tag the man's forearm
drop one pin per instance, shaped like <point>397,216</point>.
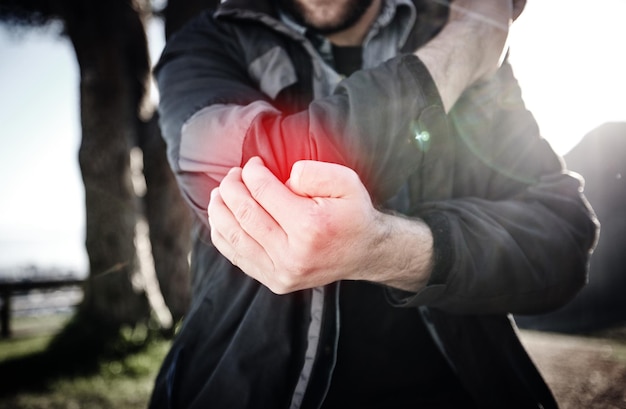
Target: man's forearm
<point>403,257</point>
<point>469,48</point>
<point>442,57</point>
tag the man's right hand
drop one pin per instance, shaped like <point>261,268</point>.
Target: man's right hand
<point>319,228</point>
<point>470,47</point>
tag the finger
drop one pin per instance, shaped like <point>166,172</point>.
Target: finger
<point>278,200</point>
<point>256,268</point>
<point>251,215</point>
<point>232,240</point>
<point>322,179</point>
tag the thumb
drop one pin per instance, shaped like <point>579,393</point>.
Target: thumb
<point>323,179</point>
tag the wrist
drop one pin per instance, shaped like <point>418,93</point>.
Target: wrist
<point>403,253</point>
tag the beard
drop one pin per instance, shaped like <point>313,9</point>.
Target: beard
<point>326,16</point>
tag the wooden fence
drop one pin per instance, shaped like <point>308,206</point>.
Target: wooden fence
<point>10,288</point>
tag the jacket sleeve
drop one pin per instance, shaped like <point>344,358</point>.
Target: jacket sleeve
<point>214,116</point>
<point>522,244</point>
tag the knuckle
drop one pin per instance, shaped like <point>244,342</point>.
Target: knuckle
<point>317,237</point>
<point>234,259</point>
<point>285,284</point>
<point>312,223</point>
<point>245,211</point>
<point>234,238</point>
<point>259,189</point>
<point>279,289</point>
<point>284,281</point>
<point>352,176</point>
<point>297,267</point>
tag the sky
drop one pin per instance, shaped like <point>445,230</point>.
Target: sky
<point>567,54</point>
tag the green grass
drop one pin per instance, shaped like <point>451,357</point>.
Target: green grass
<point>16,348</point>
<point>119,383</point>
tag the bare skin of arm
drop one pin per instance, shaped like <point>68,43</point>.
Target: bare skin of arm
<point>471,46</point>
<point>321,226</point>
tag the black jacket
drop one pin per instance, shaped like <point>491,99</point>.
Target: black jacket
<point>512,231</point>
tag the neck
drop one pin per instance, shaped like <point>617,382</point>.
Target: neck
<point>355,35</point>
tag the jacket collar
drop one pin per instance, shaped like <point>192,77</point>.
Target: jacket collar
<point>266,7</point>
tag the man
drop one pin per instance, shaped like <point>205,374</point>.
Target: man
<point>373,201</point>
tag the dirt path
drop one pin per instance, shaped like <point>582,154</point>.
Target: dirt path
<point>582,372</point>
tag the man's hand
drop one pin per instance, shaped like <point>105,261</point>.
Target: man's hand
<point>319,228</point>
<point>471,46</point>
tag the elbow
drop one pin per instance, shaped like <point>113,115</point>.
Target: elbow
<point>196,190</point>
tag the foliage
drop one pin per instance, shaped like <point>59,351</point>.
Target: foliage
<point>29,12</point>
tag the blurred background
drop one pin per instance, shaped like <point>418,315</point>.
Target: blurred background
<point>567,55</point>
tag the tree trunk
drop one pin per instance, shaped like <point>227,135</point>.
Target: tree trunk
<point>169,220</point>
<point>112,54</point>
<point>114,62</point>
